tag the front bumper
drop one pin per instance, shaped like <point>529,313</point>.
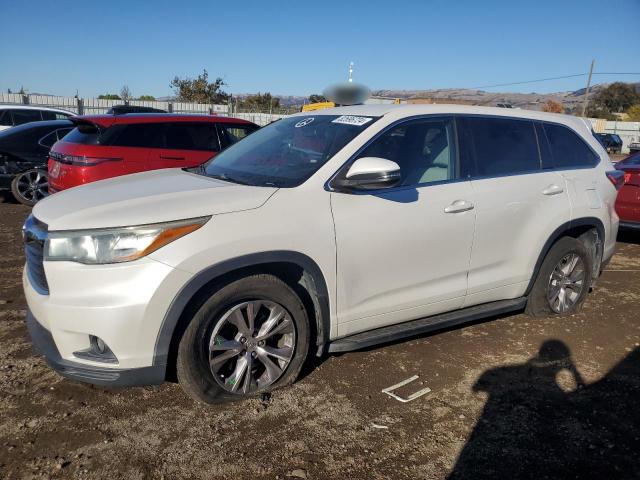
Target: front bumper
<point>122,304</point>
<point>45,345</point>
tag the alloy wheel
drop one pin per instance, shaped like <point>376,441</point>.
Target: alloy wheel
<point>251,346</point>
<point>32,185</point>
<point>566,283</point>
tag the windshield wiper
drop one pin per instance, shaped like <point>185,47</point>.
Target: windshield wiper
<point>224,177</point>
<point>198,170</point>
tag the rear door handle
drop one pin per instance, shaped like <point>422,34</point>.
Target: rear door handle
<point>552,190</point>
<point>167,157</point>
<point>459,206</point>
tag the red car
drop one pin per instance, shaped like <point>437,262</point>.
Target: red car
<point>104,146</point>
<point>628,202</point>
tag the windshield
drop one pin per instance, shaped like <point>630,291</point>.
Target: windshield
<point>288,151</point>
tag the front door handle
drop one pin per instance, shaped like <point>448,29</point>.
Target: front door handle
<point>167,157</point>
<point>552,189</point>
<point>459,206</point>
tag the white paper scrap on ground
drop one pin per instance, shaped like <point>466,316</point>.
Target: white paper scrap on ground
<point>413,396</point>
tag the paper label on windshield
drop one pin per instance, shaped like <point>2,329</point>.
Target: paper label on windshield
<point>352,120</point>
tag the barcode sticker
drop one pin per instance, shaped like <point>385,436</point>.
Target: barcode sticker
<point>352,120</point>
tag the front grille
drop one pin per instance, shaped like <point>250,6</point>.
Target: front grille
<point>35,235</point>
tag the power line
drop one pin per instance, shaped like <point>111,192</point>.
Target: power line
<point>551,78</point>
<point>528,81</point>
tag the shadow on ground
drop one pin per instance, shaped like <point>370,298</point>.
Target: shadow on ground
<point>542,421</point>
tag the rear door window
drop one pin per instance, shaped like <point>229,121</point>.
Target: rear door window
<point>568,150</point>
<point>148,135</point>
<point>545,150</point>
<point>192,136</point>
<point>47,115</point>
<point>25,116</point>
<point>500,146</point>
<point>230,134</point>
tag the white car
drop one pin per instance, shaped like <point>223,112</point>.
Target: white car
<point>13,115</point>
<point>325,231</point>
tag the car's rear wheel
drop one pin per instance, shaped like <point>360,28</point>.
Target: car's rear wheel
<point>30,187</point>
<point>249,337</point>
<point>563,281</point>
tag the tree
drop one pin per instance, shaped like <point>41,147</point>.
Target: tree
<point>315,98</point>
<point>553,106</point>
<point>595,112</point>
<point>109,96</point>
<point>617,97</point>
<point>263,102</point>
<point>634,113</point>
<point>147,97</point>
<point>199,90</point>
<point>125,93</point>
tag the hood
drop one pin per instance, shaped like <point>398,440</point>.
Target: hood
<point>149,197</point>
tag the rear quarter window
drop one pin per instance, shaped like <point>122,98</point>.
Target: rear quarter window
<point>48,140</point>
<point>49,115</point>
<point>567,148</point>
<point>63,132</point>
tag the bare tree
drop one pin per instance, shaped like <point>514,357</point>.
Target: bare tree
<point>125,93</point>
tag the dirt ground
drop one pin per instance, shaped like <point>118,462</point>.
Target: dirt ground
<point>510,397</point>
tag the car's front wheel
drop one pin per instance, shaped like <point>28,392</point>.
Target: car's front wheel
<point>563,280</point>
<point>249,337</point>
<point>30,187</point>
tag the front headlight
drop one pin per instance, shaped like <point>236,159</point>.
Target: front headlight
<point>115,245</point>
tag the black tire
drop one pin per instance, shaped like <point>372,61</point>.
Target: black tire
<point>538,304</point>
<point>21,186</point>
<point>192,367</point>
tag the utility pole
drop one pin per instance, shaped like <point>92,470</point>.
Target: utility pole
<point>586,93</point>
<point>350,72</point>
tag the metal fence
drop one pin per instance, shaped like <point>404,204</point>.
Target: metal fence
<point>94,106</point>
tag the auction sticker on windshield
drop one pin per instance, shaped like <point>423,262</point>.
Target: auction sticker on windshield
<point>351,120</point>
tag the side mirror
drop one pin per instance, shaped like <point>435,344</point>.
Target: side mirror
<point>370,173</point>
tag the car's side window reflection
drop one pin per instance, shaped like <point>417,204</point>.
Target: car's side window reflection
<point>424,150</point>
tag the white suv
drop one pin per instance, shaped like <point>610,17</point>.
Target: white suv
<point>324,231</point>
<point>13,115</point>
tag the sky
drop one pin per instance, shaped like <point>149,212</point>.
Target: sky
<point>300,47</point>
